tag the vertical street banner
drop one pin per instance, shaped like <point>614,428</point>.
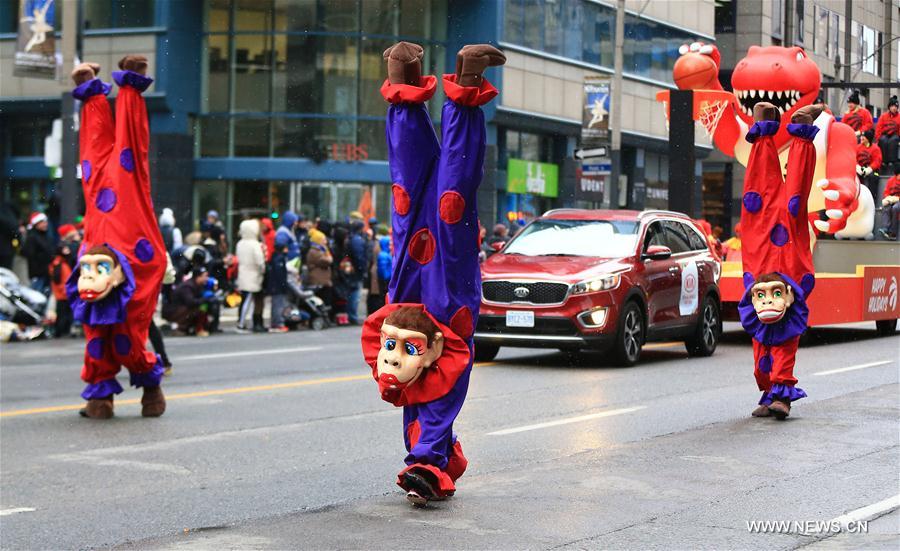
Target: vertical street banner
<point>35,45</point>
<point>596,166</point>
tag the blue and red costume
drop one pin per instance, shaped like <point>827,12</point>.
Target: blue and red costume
<point>776,239</point>
<point>119,214</point>
<point>435,239</point>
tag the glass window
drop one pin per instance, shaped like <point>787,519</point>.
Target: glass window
<point>381,17</point>
<point>655,236</point>
<point>217,14</point>
<point>532,35</point>
<point>338,15</point>
<point>316,74</point>
<point>216,96</point>
<point>251,136</point>
<point>820,32</point>
<point>252,63</point>
<point>777,16</point>
<point>513,19</point>
<point>294,15</point>
<point>371,136</point>
<point>799,22</point>
<point>676,239</point>
<point>214,132</point>
<point>252,15</point>
<point>598,238</point>
<point>108,14</point>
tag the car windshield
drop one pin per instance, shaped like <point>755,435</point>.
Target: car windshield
<point>600,238</point>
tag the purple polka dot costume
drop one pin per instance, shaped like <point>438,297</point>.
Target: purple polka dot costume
<point>119,215</point>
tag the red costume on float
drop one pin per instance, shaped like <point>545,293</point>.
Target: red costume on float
<point>776,254</point>
<point>119,217</point>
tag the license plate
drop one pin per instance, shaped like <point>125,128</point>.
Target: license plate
<point>519,318</point>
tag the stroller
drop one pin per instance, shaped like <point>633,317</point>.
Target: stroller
<point>306,308</point>
<point>21,306</point>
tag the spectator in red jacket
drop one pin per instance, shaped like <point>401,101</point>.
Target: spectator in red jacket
<point>868,161</point>
<point>890,204</point>
<point>857,117</point>
<point>887,133</point>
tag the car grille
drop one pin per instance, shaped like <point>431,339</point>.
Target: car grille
<point>540,292</point>
<point>542,326</point>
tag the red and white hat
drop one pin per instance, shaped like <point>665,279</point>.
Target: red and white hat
<point>36,218</point>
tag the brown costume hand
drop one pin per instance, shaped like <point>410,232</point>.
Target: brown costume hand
<point>473,59</point>
<point>404,60</point>
<point>85,72</point>
<point>134,63</point>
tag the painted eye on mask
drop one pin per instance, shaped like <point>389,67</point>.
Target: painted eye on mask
<point>411,350</point>
<point>85,267</point>
<point>104,268</point>
<point>760,295</point>
<point>390,344</point>
<point>777,294</point>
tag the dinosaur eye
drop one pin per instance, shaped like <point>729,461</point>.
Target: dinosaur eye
<point>695,46</point>
<point>706,49</point>
<point>800,56</point>
<point>683,49</point>
<point>390,344</point>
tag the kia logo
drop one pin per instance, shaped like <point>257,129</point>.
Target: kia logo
<point>521,292</point>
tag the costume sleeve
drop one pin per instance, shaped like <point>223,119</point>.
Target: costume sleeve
<point>435,421</point>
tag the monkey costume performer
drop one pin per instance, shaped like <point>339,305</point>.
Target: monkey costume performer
<point>115,284</point>
<point>777,258</point>
<point>420,345</point>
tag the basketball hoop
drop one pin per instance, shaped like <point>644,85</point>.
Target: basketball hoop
<point>709,106</point>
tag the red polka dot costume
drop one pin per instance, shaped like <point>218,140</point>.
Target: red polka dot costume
<point>776,239</point>
<point>435,242</point>
<point>119,214</point>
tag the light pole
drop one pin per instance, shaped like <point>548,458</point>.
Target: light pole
<point>616,119</point>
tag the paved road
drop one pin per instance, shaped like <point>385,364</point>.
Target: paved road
<point>281,441</point>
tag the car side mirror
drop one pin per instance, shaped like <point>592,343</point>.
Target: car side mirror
<point>657,252</point>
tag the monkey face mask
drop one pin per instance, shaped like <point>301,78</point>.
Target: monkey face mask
<point>99,275</point>
<point>404,354</point>
<point>771,299</point>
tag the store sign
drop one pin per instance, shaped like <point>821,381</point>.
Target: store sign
<point>348,152</point>
<point>35,46</point>
<point>532,177</point>
<point>880,289</point>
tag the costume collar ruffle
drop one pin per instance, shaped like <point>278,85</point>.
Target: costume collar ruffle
<point>793,324</point>
<point>111,309</point>
<point>435,381</point>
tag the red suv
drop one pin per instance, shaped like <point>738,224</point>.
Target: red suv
<point>603,279</point>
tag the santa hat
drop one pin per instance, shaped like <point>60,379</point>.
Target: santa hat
<point>65,230</point>
<point>36,218</point>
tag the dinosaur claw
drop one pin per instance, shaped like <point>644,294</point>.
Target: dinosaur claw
<point>822,184</point>
<point>821,225</point>
<point>831,195</point>
<point>836,214</point>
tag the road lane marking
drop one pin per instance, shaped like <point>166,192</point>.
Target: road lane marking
<point>566,421</point>
<point>246,353</point>
<point>657,345</point>
<point>868,512</point>
<point>852,368</point>
<point>16,510</point>
<point>94,459</point>
<point>207,393</point>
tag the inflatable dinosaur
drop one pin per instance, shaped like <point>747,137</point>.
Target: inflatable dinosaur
<point>790,80</point>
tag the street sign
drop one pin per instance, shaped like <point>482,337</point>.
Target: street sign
<point>594,152</point>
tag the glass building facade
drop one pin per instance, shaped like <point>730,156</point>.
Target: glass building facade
<point>289,78</point>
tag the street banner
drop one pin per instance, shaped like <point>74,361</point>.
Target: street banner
<point>595,116</point>
<point>532,177</point>
<point>35,45</point>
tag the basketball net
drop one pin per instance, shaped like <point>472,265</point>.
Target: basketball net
<point>709,111</point>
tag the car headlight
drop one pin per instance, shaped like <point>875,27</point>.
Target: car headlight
<point>604,283</point>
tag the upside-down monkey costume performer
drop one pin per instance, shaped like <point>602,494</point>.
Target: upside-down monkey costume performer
<point>114,287</point>
<point>420,346</point>
<point>778,267</point>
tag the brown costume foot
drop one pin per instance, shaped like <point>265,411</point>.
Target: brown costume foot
<point>85,72</point>
<point>764,111</point>
<point>761,411</point>
<point>134,63</point>
<point>153,402</point>
<point>98,408</point>
<point>780,409</point>
<point>404,63</point>
<point>473,59</point>
<point>807,114</point>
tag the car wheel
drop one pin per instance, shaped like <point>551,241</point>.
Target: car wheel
<point>630,335</point>
<point>485,352</point>
<point>709,328</point>
<point>886,327</point>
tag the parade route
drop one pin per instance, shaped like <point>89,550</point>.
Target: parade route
<point>281,441</point>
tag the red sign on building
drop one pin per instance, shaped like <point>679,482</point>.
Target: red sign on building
<point>880,289</point>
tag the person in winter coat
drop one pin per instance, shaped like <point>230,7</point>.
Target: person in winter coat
<point>189,304</point>
<point>170,233</point>
<point>887,132</point>
<point>251,270</point>
<point>288,229</point>
<point>59,272</point>
<point>868,161</point>
<point>318,265</point>
<point>277,283</point>
<point>359,257</point>
<point>9,234</point>
<point>382,267</point>
<point>39,250</point>
<point>268,232</point>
